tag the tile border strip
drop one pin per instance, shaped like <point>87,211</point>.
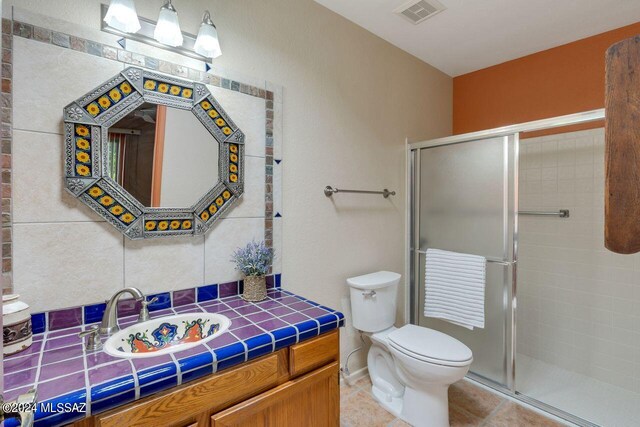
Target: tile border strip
<point>268,162</point>
<point>6,133</point>
<point>90,47</point>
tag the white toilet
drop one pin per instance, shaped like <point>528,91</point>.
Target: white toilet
<point>411,367</point>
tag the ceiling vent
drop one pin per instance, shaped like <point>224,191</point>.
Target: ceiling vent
<point>417,11</point>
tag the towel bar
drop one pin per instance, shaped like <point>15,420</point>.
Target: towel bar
<point>562,213</point>
<point>329,191</point>
<point>491,260</point>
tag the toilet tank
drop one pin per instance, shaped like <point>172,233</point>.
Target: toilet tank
<point>373,300</point>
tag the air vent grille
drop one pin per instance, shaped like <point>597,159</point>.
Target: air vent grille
<point>417,11</point>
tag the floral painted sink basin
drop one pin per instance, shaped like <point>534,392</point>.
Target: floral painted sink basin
<point>166,335</point>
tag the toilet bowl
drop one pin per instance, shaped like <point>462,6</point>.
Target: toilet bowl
<point>427,362</point>
<point>411,367</point>
<point>386,386</point>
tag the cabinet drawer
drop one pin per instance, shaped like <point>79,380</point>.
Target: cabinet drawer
<point>183,405</point>
<point>312,354</point>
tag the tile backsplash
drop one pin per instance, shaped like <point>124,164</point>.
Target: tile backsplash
<point>64,255</point>
<point>82,315</point>
<point>578,303</point>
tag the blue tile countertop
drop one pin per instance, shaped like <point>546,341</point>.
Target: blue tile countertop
<point>63,372</point>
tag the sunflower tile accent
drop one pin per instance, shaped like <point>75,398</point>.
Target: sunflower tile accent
<point>234,163</point>
<point>177,224</point>
<point>110,205</point>
<point>156,85</point>
<point>215,206</point>
<point>82,150</point>
<point>216,117</point>
<point>108,99</point>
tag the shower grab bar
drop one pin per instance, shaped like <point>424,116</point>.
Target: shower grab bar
<point>562,213</point>
<point>329,191</point>
<point>491,260</point>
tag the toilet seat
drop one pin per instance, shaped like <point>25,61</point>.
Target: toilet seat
<point>430,346</point>
<point>382,337</point>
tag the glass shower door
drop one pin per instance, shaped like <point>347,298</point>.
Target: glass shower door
<point>464,202</point>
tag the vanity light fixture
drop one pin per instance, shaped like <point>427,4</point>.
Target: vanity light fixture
<point>165,33</point>
<point>207,43</point>
<point>168,28</point>
<point>122,16</point>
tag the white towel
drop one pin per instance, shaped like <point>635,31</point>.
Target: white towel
<point>454,287</point>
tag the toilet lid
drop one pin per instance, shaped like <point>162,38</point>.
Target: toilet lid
<point>428,344</point>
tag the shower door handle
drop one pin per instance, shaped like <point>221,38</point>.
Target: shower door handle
<point>506,263</point>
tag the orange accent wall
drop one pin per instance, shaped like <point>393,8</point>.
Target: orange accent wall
<point>563,80</point>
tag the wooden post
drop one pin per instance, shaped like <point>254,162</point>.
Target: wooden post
<point>622,142</point>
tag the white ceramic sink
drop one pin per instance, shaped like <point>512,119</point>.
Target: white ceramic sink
<point>166,335</point>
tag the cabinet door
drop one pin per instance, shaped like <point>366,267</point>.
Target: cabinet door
<point>196,401</point>
<point>312,400</point>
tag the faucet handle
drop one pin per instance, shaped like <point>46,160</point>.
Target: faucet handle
<point>144,311</point>
<point>93,342</point>
<point>23,408</point>
<point>151,301</point>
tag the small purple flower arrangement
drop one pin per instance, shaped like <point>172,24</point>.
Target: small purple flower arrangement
<point>254,261</point>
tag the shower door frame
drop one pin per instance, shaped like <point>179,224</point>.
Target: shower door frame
<point>412,255</point>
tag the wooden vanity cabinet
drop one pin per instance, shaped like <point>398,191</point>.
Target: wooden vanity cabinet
<point>310,400</point>
<point>295,386</point>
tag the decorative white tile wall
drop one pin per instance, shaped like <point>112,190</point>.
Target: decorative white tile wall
<point>64,254</point>
<point>38,156</point>
<point>219,243</point>
<point>66,264</point>
<point>248,113</point>
<point>251,204</point>
<point>47,77</point>
<point>163,264</point>
<point>578,303</point>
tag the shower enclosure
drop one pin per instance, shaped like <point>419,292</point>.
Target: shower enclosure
<point>562,326</point>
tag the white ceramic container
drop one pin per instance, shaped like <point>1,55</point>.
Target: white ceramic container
<point>16,324</point>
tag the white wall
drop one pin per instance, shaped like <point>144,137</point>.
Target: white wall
<point>350,99</point>
<point>578,303</point>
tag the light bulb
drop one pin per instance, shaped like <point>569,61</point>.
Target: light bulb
<point>122,16</point>
<point>207,43</point>
<point>168,28</point>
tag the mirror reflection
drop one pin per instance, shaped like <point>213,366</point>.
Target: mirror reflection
<point>163,156</point>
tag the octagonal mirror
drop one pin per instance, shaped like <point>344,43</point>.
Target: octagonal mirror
<point>153,155</point>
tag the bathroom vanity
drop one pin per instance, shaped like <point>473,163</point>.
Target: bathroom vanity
<point>277,363</point>
<point>295,386</point>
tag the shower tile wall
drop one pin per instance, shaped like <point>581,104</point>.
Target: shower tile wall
<point>578,303</point>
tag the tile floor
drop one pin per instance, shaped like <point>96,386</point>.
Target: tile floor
<point>469,405</point>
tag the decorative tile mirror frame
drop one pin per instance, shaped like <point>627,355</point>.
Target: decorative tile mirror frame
<point>86,123</point>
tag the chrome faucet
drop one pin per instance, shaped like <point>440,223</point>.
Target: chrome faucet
<point>109,323</point>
